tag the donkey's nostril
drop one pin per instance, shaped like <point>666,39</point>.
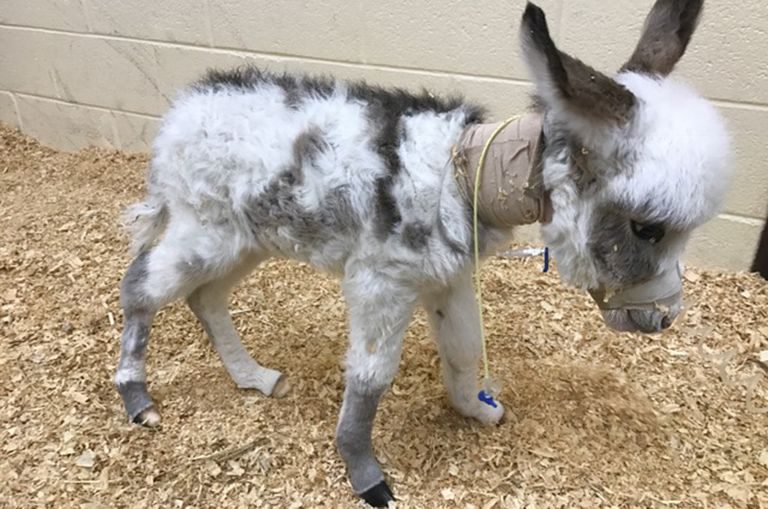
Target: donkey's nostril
<point>666,322</point>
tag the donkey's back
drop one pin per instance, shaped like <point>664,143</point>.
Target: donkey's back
<point>302,167</point>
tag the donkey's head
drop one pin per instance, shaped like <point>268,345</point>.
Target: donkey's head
<point>633,164</point>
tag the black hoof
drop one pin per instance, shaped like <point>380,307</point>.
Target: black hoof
<point>378,496</point>
<point>136,399</point>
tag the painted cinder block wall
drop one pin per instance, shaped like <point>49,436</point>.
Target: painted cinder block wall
<point>100,72</point>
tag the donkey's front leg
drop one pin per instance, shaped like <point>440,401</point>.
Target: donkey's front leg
<point>455,323</point>
<point>379,312</point>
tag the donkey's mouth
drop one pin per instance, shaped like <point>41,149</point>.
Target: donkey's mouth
<point>634,320</point>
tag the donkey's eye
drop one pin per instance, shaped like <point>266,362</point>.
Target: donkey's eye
<point>653,233</point>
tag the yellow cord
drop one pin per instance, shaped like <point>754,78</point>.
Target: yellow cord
<point>478,291</point>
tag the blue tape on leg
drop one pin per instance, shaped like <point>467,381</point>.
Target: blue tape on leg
<point>546,259</point>
<point>487,399</point>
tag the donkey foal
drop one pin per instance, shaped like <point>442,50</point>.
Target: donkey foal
<point>364,182</point>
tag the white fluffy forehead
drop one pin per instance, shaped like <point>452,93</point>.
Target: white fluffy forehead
<point>679,154</point>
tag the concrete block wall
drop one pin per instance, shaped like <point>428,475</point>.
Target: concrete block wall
<point>101,72</point>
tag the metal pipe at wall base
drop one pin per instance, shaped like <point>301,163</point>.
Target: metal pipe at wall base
<point>760,263</point>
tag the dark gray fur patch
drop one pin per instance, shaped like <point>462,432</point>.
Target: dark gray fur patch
<point>192,268</point>
<point>278,207</point>
<point>135,337</point>
<point>307,146</point>
<point>133,348</point>
<point>440,314</point>
<point>402,132</point>
<point>293,98</point>
<point>622,259</point>
<point>131,293</point>
<point>387,212</point>
<point>353,438</point>
<point>136,334</point>
<point>416,235</point>
<point>557,145</point>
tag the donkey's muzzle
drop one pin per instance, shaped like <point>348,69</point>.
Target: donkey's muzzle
<point>651,306</point>
<point>634,320</point>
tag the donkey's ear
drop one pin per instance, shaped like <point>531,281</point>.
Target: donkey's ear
<point>666,34</point>
<point>566,84</point>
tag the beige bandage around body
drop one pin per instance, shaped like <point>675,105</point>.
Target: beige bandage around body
<point>511,191</point>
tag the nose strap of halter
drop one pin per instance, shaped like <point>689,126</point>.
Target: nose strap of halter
<point>663,291</point>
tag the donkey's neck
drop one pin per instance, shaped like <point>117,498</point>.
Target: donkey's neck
<point>511,191</point>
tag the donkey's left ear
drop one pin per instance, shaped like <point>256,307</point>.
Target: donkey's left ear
<point>666,34</point>
<point>574,90</point>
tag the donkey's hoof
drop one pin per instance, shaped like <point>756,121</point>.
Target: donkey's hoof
<point>490,415</point>
<point>149,418</point>
<point>282,387</point>
<point>378,496</point>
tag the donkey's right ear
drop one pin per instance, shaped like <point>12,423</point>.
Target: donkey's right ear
<point>576,92</point>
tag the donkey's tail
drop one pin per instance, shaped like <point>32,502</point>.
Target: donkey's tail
<point>145,222</point>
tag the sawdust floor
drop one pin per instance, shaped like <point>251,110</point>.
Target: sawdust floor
<point>597,419</point>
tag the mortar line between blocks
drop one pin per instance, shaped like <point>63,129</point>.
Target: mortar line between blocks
<point>17,109</point>
<point>285,57</point>
<point>84,105</point>
<point>740,105</point>
<point>115,131</point>
<point>746,220</point>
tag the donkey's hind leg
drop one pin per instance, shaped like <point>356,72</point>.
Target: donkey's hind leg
<point>188,256</point>
<point>138,312</point>
<point>155,278</point>
<point>209,303</point>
